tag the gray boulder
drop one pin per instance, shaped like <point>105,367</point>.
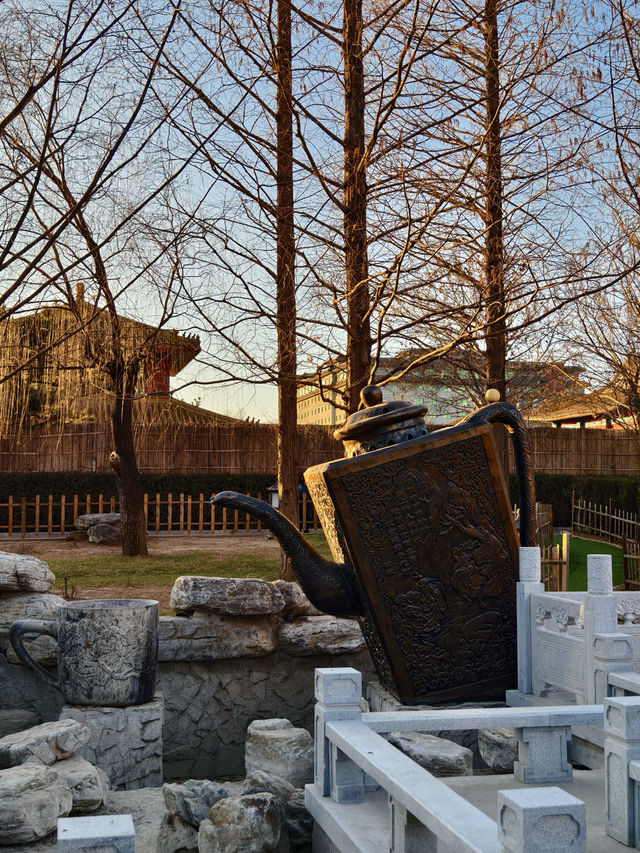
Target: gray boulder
<point>43,744</point>
<point>17,720</point>
<point>84,522</point>
<point>32,798</point>
<point>176,836</point>
<point>317,635</point>
<point>88,784</point>
<point>299,821</point>
<point>192,800</point>
<point>296,602</point>
<point>253,823</point>
<point>30,606</point>
<point>499,748</point>
<point>209,636</point>
<point>104,534</point>
<point>277,748</point>
<point>230,596</point>
<point>36,605</point>
<point>438,755</point>
<point>20,573</point>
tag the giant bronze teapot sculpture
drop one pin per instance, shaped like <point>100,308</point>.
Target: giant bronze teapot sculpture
<point>425,544</point>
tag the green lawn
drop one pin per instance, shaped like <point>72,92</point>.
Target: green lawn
<point>163,569</point>
<point>578,551</point>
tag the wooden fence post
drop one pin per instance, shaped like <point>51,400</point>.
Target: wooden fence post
<point>36,513</point>
<point>23,518</point>
<point>62,512</point>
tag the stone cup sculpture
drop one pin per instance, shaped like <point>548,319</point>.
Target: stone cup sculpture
<point>107,650</point>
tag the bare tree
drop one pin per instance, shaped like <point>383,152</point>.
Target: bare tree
<point>80,124</point>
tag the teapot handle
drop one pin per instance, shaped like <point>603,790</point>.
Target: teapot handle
<point>506,413</point>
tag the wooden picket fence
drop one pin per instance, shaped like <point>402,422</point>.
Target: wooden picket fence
<point>631,562</point>
<point>605,522</point>
<point>166,514</point>
<point>555,565</point>
<point>616,526</point>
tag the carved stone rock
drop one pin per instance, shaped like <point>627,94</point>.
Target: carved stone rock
<point>104,534</point>
<point>498,748</point>
<point>439,756</point>
<point>253,823</point>
<point>84,522</point>
<point>125,742</point>
<point>88,784</point>
<point>43,744</point>
<point>209,636</point>
<point>20,573</point>
<point>230,596</point>
<point>32,798</point>
<point>192,800</point>
<point>278,748</point>
<point>315,635</point>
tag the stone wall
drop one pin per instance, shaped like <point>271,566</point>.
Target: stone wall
<point>218,671</point>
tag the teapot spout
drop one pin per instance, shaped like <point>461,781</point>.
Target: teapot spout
<point>324,583</point>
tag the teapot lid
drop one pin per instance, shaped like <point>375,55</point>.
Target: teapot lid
<point>377,415</point>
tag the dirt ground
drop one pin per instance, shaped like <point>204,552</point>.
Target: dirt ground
<point>220,545</point>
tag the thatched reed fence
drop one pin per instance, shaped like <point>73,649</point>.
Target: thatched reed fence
<point>583,451</point>
<point>243,448</point>
<point>210,448</point>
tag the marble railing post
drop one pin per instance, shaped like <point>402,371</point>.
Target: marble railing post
<point>338,691</point>
<point>532,820</point>
<point>606,650</point>
<point>528,584</point>
<point>407,833</point>
<point>621,747</point>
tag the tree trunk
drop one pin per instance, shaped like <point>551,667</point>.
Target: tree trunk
<point>355,207</point>
<point>286,285</point>
<point>130,490</point>
<point>495,325</point>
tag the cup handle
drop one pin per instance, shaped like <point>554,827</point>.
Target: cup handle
<point>32,626</point>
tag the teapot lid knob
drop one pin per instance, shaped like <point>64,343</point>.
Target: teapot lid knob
<point>371,395</point>
<point>492,395</point>
<point>378,417</point>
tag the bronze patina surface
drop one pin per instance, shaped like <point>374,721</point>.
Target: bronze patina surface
<point>425,546</point>
<point>427,531</point>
